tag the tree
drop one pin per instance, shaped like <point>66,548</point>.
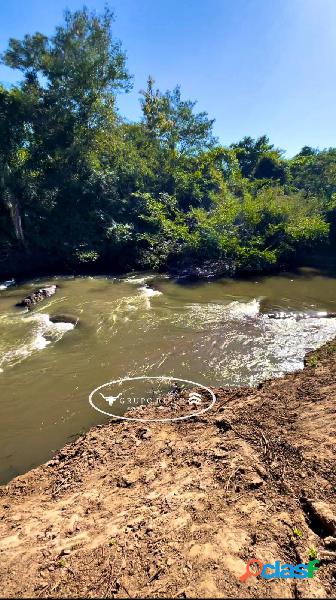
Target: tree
<point>314,171</point>
<point>78,65</point>
<point>259,159</point>
<point>15,137</point>
<point>174,122</point>
<point>270,167</point>
<point>72,79</point>
<point>80,186</point>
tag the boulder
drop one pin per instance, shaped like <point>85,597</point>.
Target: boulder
<point>64,319</point>
<point>38,296</point>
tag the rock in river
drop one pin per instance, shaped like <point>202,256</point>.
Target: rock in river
<point>64,319</point>
<point>38,296</point>
<point>301,315</point>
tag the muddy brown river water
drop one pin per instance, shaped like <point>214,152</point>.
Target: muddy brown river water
<point>214,333</point>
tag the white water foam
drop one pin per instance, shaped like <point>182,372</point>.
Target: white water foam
<point>5,284</point>
<point>149,292</point>
<point>41,333</point>
<point>237,309</point>
<point>130,308</point>
<point>264,348</point>
<point>136,279</point>
<point>202,316</point>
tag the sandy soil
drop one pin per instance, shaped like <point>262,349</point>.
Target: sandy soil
<point>176,510</point>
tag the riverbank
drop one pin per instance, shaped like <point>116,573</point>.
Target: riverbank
<point>176,510</point>
<point>25,267</point>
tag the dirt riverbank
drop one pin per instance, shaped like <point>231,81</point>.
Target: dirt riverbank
<point>176,510</point>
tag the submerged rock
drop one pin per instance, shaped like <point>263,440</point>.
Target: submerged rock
<point>64,319</point>
<point>38,296</point>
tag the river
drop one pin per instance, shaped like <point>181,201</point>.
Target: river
<point>215,333</point>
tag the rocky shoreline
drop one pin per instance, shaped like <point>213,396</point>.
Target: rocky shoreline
<point>177,509</point>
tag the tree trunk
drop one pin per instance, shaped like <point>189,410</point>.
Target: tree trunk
<point>12,205</point>
<point>14,210</point>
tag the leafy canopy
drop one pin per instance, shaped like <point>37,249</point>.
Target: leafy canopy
<point>81,186</point>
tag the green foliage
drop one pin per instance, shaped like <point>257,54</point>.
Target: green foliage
<point>258,159</point>
<point>312,553</point>
<point>297,532</point>
<point>314,172</point>
<point>312,360</point>
<point>173,121</point>
<point>86,256</point>
<point>80,187</point>
<point>62,562</point>
<point>80,61</point>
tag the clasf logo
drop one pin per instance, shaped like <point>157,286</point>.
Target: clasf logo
<point>255,567</point>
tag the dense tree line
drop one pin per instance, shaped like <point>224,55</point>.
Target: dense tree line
<point>82,187</point>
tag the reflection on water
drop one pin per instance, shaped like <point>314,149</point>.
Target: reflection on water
<point>215,333</point>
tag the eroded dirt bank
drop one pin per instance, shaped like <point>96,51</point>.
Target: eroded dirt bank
<point>176,510</point>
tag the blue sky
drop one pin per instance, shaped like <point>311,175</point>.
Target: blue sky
<point>256,66</point>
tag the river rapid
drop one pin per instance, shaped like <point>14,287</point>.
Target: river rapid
<point>212,332</point>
